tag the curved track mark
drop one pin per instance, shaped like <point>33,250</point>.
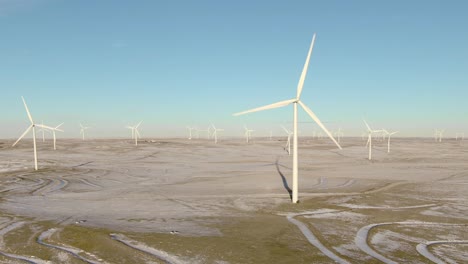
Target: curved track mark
<point>9,228</point>
<point>363,233</point>
<point>90,183</point>
<point>313,239</point>
<point>73,251</point>
<point>54,185</point>
<point>424,251</point>
<point>353,206</point>
<point>161,255</point>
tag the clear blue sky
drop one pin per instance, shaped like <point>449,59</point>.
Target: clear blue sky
<point>403,65</point>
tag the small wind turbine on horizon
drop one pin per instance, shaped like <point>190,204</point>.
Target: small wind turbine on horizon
<point>389,134</point>
<point>248,133</point>
<point>190,129</point>
<point>296,101</point>
<point>439,134</point>
<point>215,133</point>
<point>135,133</point>
<point>33,127</point>
<point>288,143</point>
<point>54,129</point>
<point>339,134</point>
<point>82,131</point>
<point>369,138</point>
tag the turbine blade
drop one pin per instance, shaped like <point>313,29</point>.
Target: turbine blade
<point>287,132</point>
<point>24,134</point>
<point>138,124</point>
<point>304,70</point>
<point>367,125</point>
<point>27,110</point>
<point>266,107</point>
<point>315,118</point>
<point>44,126</point>
<point>59,126</point>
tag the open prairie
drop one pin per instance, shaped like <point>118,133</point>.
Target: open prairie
<point>193,201</point>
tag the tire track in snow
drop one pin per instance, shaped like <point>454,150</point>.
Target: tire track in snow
<point>424,251</point>
<point>72,251</point>
<point>31,259</point>
<point>161,255</point>
<point>362,235</point>
<point>312,238</point>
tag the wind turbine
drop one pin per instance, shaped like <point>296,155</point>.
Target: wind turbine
<point>190,129</point>
<point>248,133</point>
<point>288,143</point>
<point>215,133</point>
<point>82,130</point>
<point>33,127</point>
<point>42,130</point>
<point>135,133</point>
<point>369,138</point>
<point>295,101</point>
<point>389,134</point>
<point>441,134</point>
<point>339,134</point>
<point>53,129</point>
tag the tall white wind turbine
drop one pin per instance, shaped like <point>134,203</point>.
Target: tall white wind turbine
<point>53,129</point>
<point>133,131</point>
<point>190,129</point>
<point>288,143</point>
<point>137,133</point>
<point>441,134</point>
<point>33,127</point>
<point>295,101</point>
<point>82,131</point>
<point>369,138</point>
<point>215,133</point>
<point>248,133</point>
<point>389,134</point>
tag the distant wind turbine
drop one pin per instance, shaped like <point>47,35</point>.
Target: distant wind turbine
<point>369,138</point>
<point>33,127</point>
<point>288,143</point>
<point>248,133</point>
<point>190,129</point>
<point>389,134</point>
<point>53,133</point>
<point>296,101</point>
<point>215,133</point>
<point>135,133</point>
<point>82,131</point>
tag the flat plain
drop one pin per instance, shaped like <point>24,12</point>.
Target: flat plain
<point>193,201</point>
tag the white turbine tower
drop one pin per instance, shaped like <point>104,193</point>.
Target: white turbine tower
<point>82,131</point>
<point>288,143</point>
<point>441,134</point>
<point>248,133</point>
<point>190,129</point>
<point>339,134</point>
<point>135,133</point>
<point>43,131</point>
<point>53,133</point>
<point>369,138</point>
<point>389,134</point>
<point>33,127</point>
<point>215,133</point>
<point>295,101</point>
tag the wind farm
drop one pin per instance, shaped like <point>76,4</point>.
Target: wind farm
<point>132,143</point>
